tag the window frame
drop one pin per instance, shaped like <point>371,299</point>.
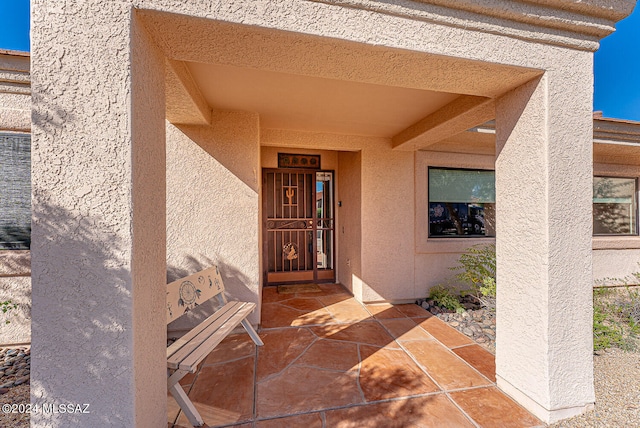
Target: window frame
<point>428,202</point>
<point>635,208</point>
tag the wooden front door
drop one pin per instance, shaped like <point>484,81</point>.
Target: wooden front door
<point>298,226</point>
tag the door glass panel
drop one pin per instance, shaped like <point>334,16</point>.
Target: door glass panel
<point>324,212</point>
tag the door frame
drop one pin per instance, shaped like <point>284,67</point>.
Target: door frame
<point>317,274</point>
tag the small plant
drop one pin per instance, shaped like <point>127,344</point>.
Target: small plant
<point>7,306</point>
<point>477,270</point>
<point>445,298</point>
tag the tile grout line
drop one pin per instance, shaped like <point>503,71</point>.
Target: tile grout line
<point>450,350</point>
<point>274,375</point>
<point>410,355</point>
<point>364,399</point>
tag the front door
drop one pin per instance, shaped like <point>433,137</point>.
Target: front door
<point>298,226</point>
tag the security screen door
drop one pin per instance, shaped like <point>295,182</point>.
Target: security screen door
<point>298,226</point>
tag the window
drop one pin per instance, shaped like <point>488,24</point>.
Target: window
<point>15,191</point>
<point>461,202</point>
<point>614,206</point>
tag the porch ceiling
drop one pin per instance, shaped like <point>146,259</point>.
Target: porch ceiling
<point>315,104</point>
<point>302,82</point>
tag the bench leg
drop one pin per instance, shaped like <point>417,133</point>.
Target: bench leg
<point>254,335</point>
<point>186,405</point>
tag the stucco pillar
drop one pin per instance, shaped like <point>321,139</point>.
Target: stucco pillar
<point>543,195</point>
<point>98,238</point>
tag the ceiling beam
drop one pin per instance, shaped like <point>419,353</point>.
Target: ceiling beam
<point>459,115</point>
<point>185,103</point>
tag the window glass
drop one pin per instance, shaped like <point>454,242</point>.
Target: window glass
<point>15,191</point>
<point>461,202</point>
<point>614,206</point>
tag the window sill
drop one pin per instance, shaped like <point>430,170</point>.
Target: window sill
<point>616,242</point>
<point>451,245</point>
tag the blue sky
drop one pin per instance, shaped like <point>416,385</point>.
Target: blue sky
<point>617,63</point>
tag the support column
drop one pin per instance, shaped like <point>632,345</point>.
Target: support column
<point>544,227</point>
<point>98,227</point>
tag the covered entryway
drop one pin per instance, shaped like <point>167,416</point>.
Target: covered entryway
<point>298,225</point>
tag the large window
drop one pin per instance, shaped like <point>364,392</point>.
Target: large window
<point>614,206</point>
<point>461,202</point>
<point>15,191</point>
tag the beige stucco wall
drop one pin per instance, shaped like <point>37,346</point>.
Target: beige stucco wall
<point>99,231</point>
<point>15,91</point>
<point>212,205</point>
<point>15,270</point>
<point>349,230</point>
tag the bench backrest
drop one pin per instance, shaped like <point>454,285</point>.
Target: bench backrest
<point>186,293</point>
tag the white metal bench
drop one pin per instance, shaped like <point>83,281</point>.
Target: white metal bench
<point>184,355</point>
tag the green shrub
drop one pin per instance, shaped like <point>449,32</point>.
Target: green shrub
<point>445,298</point>
<point>7,306</point>
<point>477,270</point>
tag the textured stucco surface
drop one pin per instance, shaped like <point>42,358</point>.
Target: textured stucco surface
<point>543,191</point>
<point>349,230</point>
<point>387,225</point>
<point>213,205</point>
<point>98,265</point>
<point>98,234</point>
<point>15,92</point>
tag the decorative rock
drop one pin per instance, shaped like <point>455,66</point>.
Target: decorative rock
<point>467,331</point>
<point>4,390</point>
<point>7,385</point>
<point>454,323</point>
<point>425,305</point>
<point>21,380</point>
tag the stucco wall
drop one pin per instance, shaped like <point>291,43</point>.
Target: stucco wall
<point>98,229</point>
<point>15,91</point>
<point>349,231</point>
<point>388,207</point>
<point>213,205</point>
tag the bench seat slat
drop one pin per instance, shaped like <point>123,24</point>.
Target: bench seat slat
<point>219,314</point>
<point>209,336</point>
<point>201,352</point>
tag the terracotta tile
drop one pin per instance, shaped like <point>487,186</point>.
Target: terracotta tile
<point>329,354</point>
<point>413,310</point>
<point>435,411</point>
<point>280,348</point>
<point>384,311</point>
<point>277,315</point>
<point>305,389</point>
<point>446,368</point>
<point>231,348</point>
<point>481,359</point>
<point>449,336</point>
<point>303,304</point>
<point>312,420</point>
<point>349,310</point>
<point>370,333</point>
<point>216,401</point>
<point>491,408</point>
<point>334,298</point>
<point>406,329</point>
<point>386,373</point>
<point>333,289</point>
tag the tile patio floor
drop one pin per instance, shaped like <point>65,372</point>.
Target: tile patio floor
<point>329,361</point>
